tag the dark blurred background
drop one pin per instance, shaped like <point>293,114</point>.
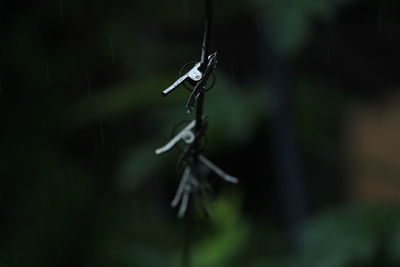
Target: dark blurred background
<point>306,112</point>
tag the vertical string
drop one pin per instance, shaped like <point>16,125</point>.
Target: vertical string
<point>187,248</point>
<point>207,30</point>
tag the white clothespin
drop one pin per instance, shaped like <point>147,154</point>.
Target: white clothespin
<point>186,135</point>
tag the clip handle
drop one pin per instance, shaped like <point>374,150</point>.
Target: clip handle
<point>218,171</point>
<point>193,74</point>
<point>181,187</point>
<point>175,85</point>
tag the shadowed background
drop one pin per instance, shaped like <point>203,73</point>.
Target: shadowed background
<point>305,111</point>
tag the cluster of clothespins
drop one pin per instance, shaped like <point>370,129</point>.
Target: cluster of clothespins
<point>193,181</point>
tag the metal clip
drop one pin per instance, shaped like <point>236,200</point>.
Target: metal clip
<point>186,135</point>
<point>194,74</point>
<point>189,184</point>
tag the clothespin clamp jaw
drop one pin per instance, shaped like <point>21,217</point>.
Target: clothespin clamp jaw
<point>201,84</point>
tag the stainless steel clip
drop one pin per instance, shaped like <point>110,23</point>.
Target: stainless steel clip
<point>185,135</point>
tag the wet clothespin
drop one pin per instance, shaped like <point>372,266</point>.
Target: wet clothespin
<point>198,75</point>
<point>190,184</point>
<point>185,135</point>
<point>188,137</point>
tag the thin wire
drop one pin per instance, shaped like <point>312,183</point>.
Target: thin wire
<point>199,130</point>
<point>206,39</point>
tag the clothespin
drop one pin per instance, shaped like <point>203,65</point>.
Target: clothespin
<point>188,137</point>
<point>194,75</point>
<point>189,184</point>
<point>185,135</point>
